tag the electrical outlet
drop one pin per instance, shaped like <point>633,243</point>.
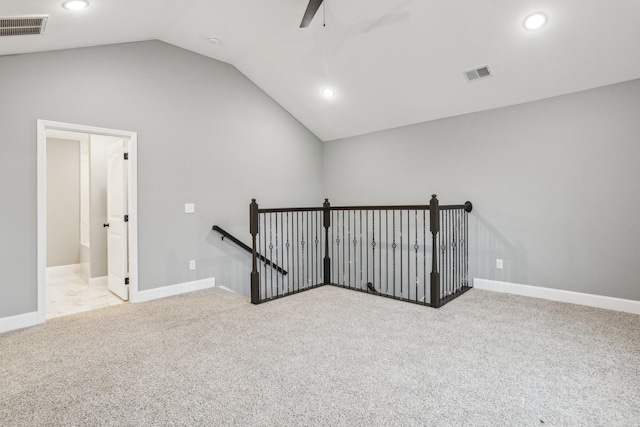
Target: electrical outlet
<point>192,264</point>
<point>499,264</point>
<point>189,208</point>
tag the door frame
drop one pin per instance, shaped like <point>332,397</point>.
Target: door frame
<point>132,199</point>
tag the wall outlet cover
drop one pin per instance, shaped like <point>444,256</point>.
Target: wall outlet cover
<point>189,208</point>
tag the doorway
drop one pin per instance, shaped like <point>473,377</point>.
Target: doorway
<point>73,274</point>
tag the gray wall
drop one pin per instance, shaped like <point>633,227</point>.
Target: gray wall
<point>554,184</point>
<point>206,135</point>
<point>63,202</point>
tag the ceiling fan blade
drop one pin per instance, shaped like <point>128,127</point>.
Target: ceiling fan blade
<point>312,8</point>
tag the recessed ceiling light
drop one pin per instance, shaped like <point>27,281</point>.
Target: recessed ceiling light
<point>535,21</point>
<point>328,92</point>
<point>75,4</point>
<point>214,40</point>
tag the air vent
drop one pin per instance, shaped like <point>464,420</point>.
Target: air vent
<point>22,25</point>
<point>478,73</point>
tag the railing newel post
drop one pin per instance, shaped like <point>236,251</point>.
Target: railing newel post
<point>468,206</point>
<point>255,276</point>
<point>326,224</point>
<point>434,212</point>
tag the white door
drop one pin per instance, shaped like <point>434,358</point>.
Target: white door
<point>117,253</point>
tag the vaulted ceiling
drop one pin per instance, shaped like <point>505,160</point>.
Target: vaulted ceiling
<point>390,62</point>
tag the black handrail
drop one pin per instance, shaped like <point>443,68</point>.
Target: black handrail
<point>467,207</point>
<point>247,248</point>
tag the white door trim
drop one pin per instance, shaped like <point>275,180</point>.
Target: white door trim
<point>132,194</point>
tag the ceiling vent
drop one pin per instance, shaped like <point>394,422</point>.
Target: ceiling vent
<point>22,25</point>
<point>478,73</point>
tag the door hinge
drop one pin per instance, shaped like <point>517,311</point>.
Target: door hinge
<point>126,156</point>
<point>126,218</point>
<point>126,281</point>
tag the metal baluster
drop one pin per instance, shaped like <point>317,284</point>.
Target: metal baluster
<point>440,250</point>
<point>287,245</point>
<point>264,251</point>
<point>454,245</point>
<point>309,228</point>
<point>401,259</point>
<point>454,255</point>
<point>366,246</point>
<point>460,249</point>
<point>259,251</point>
<point>355,253</point>
<point>453,251</point>
<point>314,274</point>
<point>338,240</point>
<point>373,249</point>
<point>360,224</point>
<point>393,246</point>
<point>443,271</point>
<point>450,252</point>
<point>448,260</point>
<point>309,276</point>
<point>416,247</point>
<point>445,240</point>
<point>349,244</point>
<point>457,250</point>
<point>333,254</point>
<point>344,238</point>
<point>271,249</point>
<point>310,259</point>
<point>296,249</point>
<point>408,254</point>
<point>386,220</point>
<point>424,255</point>
<point>309,248</point>
<point>301,244</point>
<point>277,261</point>
<point>380,250</point>
<point>304,263</point>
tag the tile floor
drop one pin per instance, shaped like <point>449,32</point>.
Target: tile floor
<point>70,294</point>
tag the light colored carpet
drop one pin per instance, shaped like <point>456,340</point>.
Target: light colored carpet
<point>325,357</point>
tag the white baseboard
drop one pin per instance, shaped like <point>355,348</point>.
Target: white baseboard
<point>61,270</point>
<point>18,322</point>
<point>98,281</point>
<point>600,301</point>
<point>168,291</point>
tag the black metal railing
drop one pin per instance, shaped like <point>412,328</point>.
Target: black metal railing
<point>415,253</point>
<point>247,248</point>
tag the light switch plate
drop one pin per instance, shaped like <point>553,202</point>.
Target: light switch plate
<point>189,208</point>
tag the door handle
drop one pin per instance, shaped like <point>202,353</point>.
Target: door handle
<point>105,225</point>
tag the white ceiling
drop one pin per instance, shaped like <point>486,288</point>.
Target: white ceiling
<point>391,62</point>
